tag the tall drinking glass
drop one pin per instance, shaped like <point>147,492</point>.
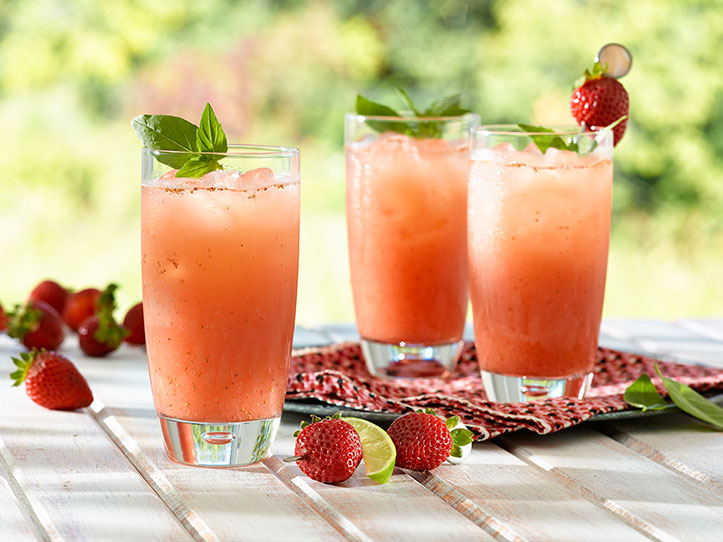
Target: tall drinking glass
<point>220,265</point>
<point>406,222</point>
<point>538,235</point>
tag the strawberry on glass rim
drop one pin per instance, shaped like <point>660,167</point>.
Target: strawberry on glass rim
<point>599,99</point>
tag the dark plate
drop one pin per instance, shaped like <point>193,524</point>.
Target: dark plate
<point>322,409</point>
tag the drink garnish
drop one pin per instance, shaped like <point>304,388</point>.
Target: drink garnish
<point>642,394</point>
<point>378,451</point>
<point>546,138</point>
<point>451,106</point>
<point>598,98</point>
<point>616,58</point>
<point>196,145</point>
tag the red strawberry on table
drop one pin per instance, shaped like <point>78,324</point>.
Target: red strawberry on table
<point>36,325</point>
<point>599,101</point>
<point>327,450</point>
<point>80,305</point>
<point>51,380</point>
<point>51,293</point>
<point>100,334</point>
<point>424,440</point>
<point>133,322</point>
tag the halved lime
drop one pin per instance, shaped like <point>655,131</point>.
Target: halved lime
<point>378,449</point>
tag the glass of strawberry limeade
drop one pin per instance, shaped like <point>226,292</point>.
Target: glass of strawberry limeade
<point>406,222</point>
<point>538,235</point>
<point>220,263</point>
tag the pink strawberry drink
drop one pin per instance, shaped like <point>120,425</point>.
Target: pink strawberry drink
<point>220,264</point>
<point>406,222</point>
<point>538,234</point>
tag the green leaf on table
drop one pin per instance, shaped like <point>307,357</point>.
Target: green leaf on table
<point>642,394</point>
<point>690,401</point>
<point>167,133</point>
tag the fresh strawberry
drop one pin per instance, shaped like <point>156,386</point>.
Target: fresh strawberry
<point>424,441</point>
<point>3,319</point>
<point>100,334</point>
<point>52,381</point>
<point>80,305</point>
<point>36,325</point>
<point>133,322</point>
<point>599,101</point>
<point>327,450</point>
<point>51,293</point>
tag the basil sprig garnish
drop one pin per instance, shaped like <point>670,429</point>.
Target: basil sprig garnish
<point>580,143</point>
<point>446,107</point>
<point>169,133</point>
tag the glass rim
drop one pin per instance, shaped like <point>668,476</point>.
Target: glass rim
<point>358,117</point>
<point>245,151</point>
<point>515,130</point>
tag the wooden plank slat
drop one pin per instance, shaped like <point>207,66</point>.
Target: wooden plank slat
<point>398,510</point>
<point>527,501</point>
<point>13,525</point>
<point>248,503</point>
<point>676,441</point>
<point>641,492</point>
<point>81,482</point>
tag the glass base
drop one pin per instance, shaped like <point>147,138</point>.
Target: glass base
<point>522,389</point>
<point>404,360</point>
<point>218,445</point>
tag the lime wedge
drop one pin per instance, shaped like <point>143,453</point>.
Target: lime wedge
<point>378,449</point>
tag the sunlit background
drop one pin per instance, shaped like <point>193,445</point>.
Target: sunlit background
<point>74,72</point>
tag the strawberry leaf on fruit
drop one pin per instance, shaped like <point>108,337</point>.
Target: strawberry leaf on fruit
<point>22,320</point>
<point>23,364</point>
<point>690,401</point>
<point>109,332</point>
<point>451,422</point>
<point>642,394</point>
<point>461,437</point>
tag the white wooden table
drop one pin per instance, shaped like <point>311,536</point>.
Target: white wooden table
<point>101,473</point>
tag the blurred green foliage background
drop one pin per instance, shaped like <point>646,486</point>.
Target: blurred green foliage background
<point>74,72</point>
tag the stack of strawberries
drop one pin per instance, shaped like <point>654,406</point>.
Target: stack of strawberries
<point>51,380</point>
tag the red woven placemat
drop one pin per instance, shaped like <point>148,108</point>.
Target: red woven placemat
<point>337,375</point>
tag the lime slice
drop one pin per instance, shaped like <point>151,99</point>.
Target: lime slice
<point>378,449</point>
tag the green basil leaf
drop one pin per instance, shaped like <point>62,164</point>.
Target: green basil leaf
<point>167,133</point>
<point>369,108</point>
<point>446,107</point>
<point>642,394</point>
<point>406,100</point>
<point>690,401</point>
<point>544,141</point>
<point>197,167</point>
<point>210,136</point>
